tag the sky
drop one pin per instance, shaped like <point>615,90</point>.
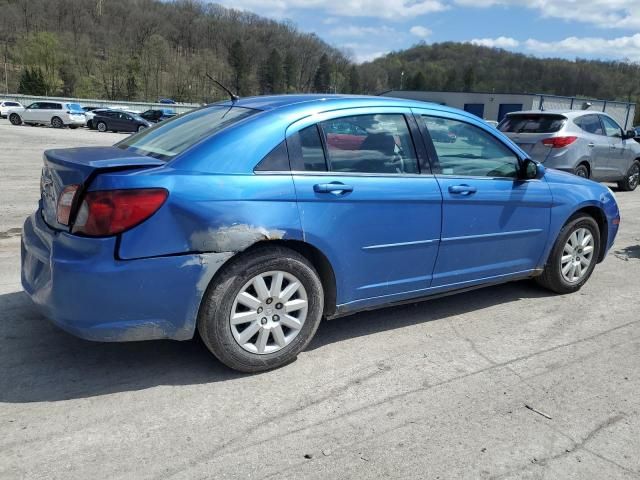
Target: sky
<point>605,29</point>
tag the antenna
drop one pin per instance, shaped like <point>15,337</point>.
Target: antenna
<point>234,97</point>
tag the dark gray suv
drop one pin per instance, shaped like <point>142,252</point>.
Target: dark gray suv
<point>589,144</point>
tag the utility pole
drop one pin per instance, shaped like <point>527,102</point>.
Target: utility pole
<point>401,79</point>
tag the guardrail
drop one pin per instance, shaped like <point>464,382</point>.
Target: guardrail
<point>92,102</point>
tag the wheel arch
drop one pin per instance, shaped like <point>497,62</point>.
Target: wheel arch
<point>319,261</point>
<point>586,163</point>
<point>600,217</point>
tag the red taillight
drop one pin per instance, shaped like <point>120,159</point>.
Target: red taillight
<point>65,204</point>
<point>559,142</point>
<point>110,212</point>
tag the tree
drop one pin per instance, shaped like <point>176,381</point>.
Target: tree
<point>354,80</point>
<point>272,75</point>
<point>239,63</point>
<point>291,68</point>
<point>32,82</point>
<point>418,81</point>
<point>322,79</point>
<point>469,79</point>
<point>42,50</point>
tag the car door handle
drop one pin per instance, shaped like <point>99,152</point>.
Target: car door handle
<point>333,187</point>
<point>591,145</point>
<point>462,189</point>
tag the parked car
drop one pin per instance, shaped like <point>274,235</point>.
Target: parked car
<point>118,121</point>
<point>589,144</point>
<point>158,115</point>
<point>91,114</point>
<point>224,220</point>
<point>56,114</point>
<point>6,105</point>
<point>166,101</point>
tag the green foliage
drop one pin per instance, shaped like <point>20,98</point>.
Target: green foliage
<point>148,49</point>
<point>322,79</point>
<point>32,82</point>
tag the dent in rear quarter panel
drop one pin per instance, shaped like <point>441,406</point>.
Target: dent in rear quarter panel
<point>217,213</point>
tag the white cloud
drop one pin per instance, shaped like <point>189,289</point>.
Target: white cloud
<point>603,13</point>
<point>387,9</point>
<point>419,31</point>
<point>355,31</point>
<point>500,42</point>
<point>620,47</point>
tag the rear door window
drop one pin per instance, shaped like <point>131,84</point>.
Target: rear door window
<point>590,124</point>
<point>378,143</point>
<point>532,123</point>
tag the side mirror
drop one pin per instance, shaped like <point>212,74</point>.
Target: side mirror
<point>532,170</point>
<point>630,134</point>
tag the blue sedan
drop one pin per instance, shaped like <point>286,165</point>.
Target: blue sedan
<point>251,220</point>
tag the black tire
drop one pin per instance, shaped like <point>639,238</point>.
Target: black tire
<point>101,126</point>
<point>141,128</point>
<point>552,277</point>
<point>215,310</point>
<point>15,119</point>
<point>56,122</point>
<point>632,178</point>
<point>73,127</point>
<point>581,171</point>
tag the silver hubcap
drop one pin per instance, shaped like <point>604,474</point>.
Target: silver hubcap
<point>577,255</point>
<point>269,312</point>
<point>102,127</point>
<point>634,176</point>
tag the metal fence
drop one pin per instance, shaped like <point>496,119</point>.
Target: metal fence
<point>623,112</point>
<point>92,102</point>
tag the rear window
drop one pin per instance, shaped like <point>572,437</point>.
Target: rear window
<point>11,104</point>
<point>75,107</point>
<point>532,123</point>
<point>177,134</point>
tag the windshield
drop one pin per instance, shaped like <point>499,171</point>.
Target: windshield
<point>532,123</point>
<point>75,107</point>
<point>175,135</point>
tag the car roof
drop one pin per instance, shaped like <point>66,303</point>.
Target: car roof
<point>328,102</point>
<point>566,113</point>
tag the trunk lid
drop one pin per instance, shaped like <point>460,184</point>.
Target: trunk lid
<point>78,166</point>
<point>528,129</point>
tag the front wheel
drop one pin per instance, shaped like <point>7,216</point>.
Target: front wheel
<point>262,309</point>
<point>15,119</point>
<point>632,178</point>
<point>56,122</point>
<point>141,128</point>
<point>573,257</point>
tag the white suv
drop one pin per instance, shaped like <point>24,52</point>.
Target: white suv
<point>56,114</point>
<point>6,105</point>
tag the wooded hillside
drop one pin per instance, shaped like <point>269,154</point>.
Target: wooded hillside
<point>147,49</point>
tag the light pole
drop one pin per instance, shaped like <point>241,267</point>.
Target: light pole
<point>401,79</point>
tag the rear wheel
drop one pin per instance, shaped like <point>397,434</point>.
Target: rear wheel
<point>15,119</point>
<point>261,310</point>
<point>632,178</point>
<point>141,128</point>
<point>56,122</point>
<point>102,127</point>
<point>582,171</point>
<point>573,257</point>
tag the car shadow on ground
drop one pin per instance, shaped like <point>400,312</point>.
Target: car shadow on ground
<point>632,251</point>
<point>42,363</point>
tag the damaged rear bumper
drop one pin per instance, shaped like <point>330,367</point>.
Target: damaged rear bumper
<point>79,285</point>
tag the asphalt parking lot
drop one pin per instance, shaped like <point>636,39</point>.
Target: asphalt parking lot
<point>435,390</point>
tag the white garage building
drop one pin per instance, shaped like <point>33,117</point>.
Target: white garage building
<point>494,106</point>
